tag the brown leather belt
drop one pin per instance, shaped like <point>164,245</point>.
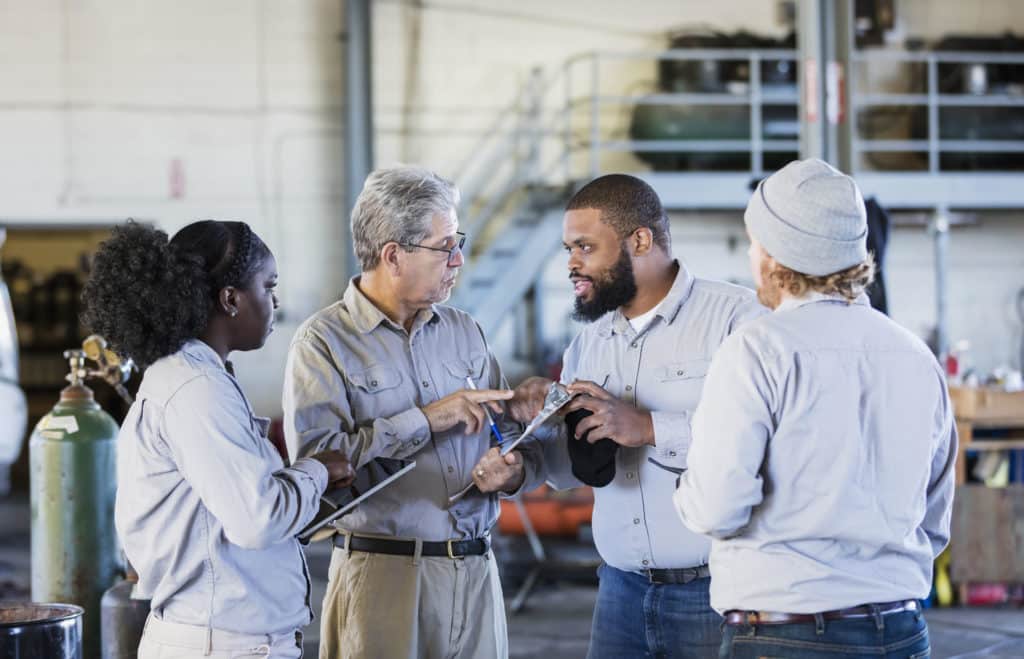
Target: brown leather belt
<point>449,548</point>
<point>775,618</point>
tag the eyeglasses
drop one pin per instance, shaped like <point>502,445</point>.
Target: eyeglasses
<point>450,251</point>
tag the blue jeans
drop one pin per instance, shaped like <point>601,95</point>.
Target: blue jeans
<point>635,618</point>
<point>895,636</point>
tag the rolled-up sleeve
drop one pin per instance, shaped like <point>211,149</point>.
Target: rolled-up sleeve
<point>672,431</point>
<point>318,415</point>
<point>219,456</point>
<point>731,428</point>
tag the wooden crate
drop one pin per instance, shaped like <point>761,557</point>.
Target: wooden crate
<point>988,534</point>
<point>988,407</point>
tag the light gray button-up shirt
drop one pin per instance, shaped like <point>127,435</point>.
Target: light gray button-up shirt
<point>356,381</point>
<point>662,370</point>
<point>206,510</point>
<point>822,461</point>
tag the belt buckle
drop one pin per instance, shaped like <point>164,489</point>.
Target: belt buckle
<point>451,553</point>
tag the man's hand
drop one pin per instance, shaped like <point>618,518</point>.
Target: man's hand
<point>464,407</point>
<point>529,398</point>
<point>339,470</point>
<point>496,472</point>
<point>610,417</point>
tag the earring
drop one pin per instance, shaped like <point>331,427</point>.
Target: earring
<point>234,313</point>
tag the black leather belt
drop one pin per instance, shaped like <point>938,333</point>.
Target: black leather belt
<point>777,618</point>
<point>449,548</point>
<point>678,576</point>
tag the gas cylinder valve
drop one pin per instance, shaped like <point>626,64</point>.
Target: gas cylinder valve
<point>109,366</point>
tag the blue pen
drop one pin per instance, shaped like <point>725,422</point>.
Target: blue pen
<point>487,411</point>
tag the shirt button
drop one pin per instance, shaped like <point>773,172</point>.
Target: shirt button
<point>629,387</point>
<point>451,469</point>
<point>645,562</point>
<point>672,454</point>
<point>629,474</point>
<point>636,520</point>
<point>680,372</point>
<point>426,384</point>
<point>373,383</point>
<point>633,344</point>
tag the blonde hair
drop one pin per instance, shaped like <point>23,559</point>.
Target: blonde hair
<point>849,283</point>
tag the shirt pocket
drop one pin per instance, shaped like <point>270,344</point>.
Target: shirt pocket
<point>678,385</point>
<point>463,366</point>
<point>375,379</point>
<point>686,369</point>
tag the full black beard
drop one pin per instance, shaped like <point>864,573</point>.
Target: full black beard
<point>617,287</point>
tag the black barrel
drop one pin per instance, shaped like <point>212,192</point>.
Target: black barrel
<point>31,631</point>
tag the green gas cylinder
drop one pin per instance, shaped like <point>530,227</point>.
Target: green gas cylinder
<point>75,554</point>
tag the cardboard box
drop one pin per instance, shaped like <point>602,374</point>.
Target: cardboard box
<point>988,406</point>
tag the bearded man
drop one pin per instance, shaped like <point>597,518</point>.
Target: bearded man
<point>638,369</point>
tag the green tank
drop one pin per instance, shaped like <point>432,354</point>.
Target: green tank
<point>75,553</point>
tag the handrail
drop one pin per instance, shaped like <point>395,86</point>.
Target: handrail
<point>932,100</point>
<point>554,128</point>
<point>946,56</point>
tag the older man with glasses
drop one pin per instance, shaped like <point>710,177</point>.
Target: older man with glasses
<point>383,373</point>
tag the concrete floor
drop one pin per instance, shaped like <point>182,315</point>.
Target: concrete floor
<point>556,619</point>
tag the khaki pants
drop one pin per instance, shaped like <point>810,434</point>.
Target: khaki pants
<point>168,640</point>
<point>380,606</point>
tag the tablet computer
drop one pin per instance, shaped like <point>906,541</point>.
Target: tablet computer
<point>370,479</point>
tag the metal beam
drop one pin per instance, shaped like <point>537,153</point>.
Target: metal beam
<point>358,113</point>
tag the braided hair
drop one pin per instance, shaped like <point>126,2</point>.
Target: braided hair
<point>148,295</point>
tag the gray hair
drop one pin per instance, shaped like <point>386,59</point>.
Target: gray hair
<point>397,204</point>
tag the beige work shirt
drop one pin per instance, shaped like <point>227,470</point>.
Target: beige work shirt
<point>356,381</point>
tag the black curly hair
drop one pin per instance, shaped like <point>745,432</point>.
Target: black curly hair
<point>626,204</point>
<point>147,295</point>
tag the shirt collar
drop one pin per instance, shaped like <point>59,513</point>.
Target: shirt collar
<point>812,297</point>
<point>668,307</point>
<point>202,352</point>
<point>366,316</point>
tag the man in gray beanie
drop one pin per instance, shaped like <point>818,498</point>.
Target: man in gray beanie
<point>823,446</point>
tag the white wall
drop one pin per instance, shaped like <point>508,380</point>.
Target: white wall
<point>107,105</point>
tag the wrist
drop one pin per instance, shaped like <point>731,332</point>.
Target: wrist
<point>649,438</point>
<point>517,483</point>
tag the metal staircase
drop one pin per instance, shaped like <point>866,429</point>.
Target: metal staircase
<point>512,207</point>
<point>502,274</point>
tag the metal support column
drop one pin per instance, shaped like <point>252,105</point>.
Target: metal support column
<point>825,38</point>
<point>358,112</point>
<point>811,43</point>
<point>940,230</point>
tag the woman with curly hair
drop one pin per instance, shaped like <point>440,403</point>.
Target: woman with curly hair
<point>206,509</point>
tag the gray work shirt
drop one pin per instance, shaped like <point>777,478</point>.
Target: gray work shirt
<point>822,461</point>
<point>356,381</point>
<point>661,369</point>
<point>206,509</point>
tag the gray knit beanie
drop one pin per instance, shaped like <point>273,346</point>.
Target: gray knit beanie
<point>809,217</point>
